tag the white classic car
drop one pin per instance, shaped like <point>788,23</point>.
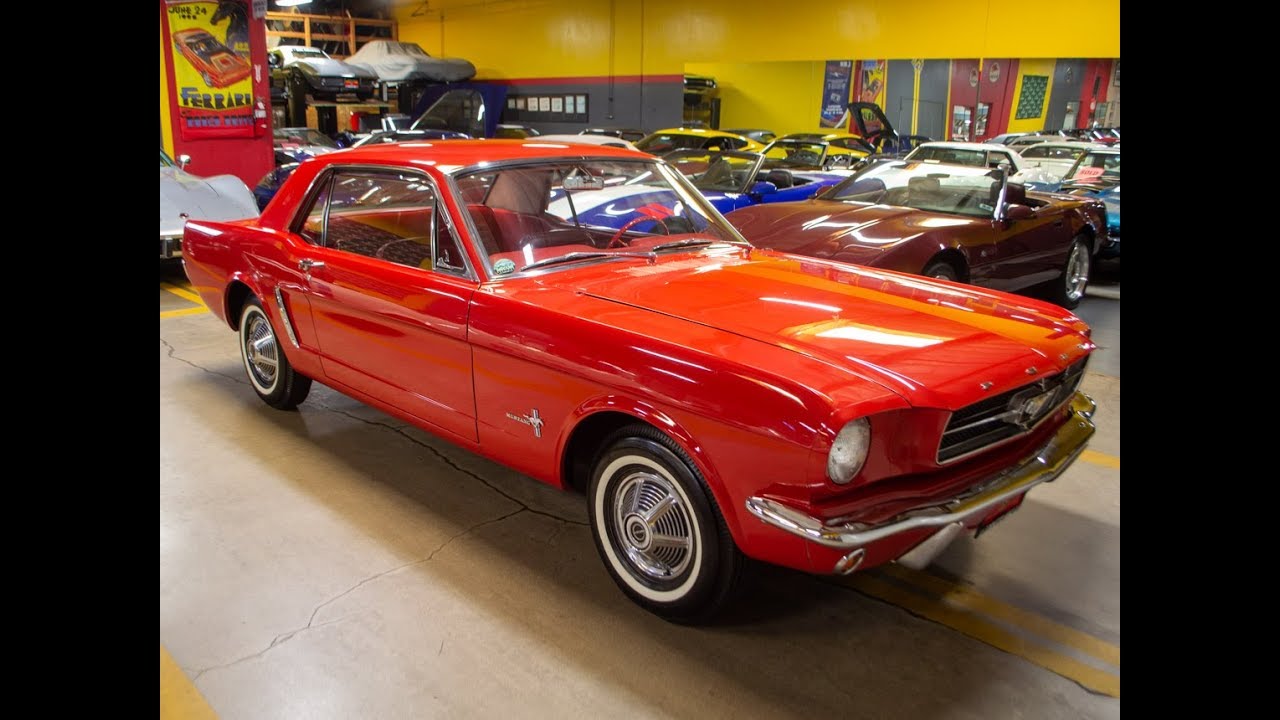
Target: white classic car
<point>978,154</point>
<point>183,195</point>
<point>1055,158</point>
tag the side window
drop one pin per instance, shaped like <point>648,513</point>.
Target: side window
<point>312,229</point>
<point>388,216</point>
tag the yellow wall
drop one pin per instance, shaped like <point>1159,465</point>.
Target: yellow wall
<point>166,127</point>
<point>781,96</point>
<point>1031,67</point>
<point>570,38</point>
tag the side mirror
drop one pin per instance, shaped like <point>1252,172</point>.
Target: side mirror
<point>763,187</point>
<point>1014,211</point>
<point>183,159</point>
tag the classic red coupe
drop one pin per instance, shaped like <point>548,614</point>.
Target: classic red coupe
<point>585,316</point>
<point>953,222</point>
<point>218,65</point>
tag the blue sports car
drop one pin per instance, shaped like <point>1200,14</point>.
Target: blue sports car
<point>731,179</point>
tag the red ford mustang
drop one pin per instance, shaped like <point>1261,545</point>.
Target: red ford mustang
<point>583,315</point>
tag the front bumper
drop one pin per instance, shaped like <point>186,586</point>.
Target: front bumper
<point>973,506</point>
<point>170,246</point>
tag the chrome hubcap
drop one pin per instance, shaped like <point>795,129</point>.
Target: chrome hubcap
<point>260,351</point>
<point>1077,272</point>
<point>653,526</point>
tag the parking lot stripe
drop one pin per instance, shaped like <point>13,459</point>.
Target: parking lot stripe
<point>980,628</point>
<point>184,311</point>
<point>182,293</point>
<point>179,698</point>
<point>973,600</point>
<point>1102,459</point>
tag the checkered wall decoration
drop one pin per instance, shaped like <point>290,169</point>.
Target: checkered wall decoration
<point>1031,103</point>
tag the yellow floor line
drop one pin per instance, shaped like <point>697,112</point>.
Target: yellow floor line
<point>179,699</point>
<point>990,633</point>
<point>1102,459</point>
<point>973,600</point>
<point>184,311</point>
<point>182,293</point>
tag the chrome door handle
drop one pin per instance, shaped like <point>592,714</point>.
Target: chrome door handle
<point>307,264</point>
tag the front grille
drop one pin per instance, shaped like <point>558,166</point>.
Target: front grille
<point>1008,414</point>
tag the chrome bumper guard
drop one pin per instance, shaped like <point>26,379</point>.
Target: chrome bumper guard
<point>1044,465</point>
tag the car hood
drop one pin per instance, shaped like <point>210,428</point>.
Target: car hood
<point>829,228</point>
<point>328,67</point>
<point>221,197</point>
<point>933,343</point>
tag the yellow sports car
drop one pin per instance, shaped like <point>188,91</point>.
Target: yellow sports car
<point>664,141</point>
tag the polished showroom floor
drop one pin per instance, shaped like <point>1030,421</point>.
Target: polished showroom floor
<point>335,563</point>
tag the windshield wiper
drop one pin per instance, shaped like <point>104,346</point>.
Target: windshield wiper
<point>583,256</point>
<point>691,242</point>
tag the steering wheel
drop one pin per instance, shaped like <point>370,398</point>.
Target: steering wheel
<point>617,239</point>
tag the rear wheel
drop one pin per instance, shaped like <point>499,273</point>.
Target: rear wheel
<point>270,373</point>
<point>658,530</point>
<point>1069,288</point>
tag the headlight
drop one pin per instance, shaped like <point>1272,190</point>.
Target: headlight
<point>849,451</point>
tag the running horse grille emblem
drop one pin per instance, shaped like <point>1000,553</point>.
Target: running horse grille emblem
<point>533,420</point>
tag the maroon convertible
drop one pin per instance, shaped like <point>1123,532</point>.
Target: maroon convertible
<point>945,221</point>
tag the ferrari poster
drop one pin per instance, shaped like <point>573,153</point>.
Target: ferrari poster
<point>212,74</point>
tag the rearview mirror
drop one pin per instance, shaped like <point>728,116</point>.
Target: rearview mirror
<point>183,159</point>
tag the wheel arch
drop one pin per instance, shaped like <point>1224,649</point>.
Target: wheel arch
<point>955,258</point>
<point>594,420</point>
<point>239,288</point>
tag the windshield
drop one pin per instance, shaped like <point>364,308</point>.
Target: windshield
<point>954,190</point>
<point>1096,167</point>
<point>796,152</point>
<point>716,171</point>
<point>561,213</point>
<point>1052,152</point>
<point>165,160</point>
<point>302,136</point>
<point>953,156</point>
<point>659,143</point>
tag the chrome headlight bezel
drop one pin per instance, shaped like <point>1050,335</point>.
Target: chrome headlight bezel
<point>849,451</point>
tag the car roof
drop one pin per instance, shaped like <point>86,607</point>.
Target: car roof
<point>451,155</point>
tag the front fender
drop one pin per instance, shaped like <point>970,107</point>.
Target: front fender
<point>646,412</point>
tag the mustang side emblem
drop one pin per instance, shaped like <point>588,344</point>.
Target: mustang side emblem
<point>534,421</point>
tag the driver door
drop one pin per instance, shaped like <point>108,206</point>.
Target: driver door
<point>389,292</point>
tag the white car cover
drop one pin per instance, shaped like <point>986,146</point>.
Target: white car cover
<point>394,61</point>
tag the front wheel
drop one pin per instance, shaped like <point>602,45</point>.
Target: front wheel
<point>1069,288</point>
<point>941,270</point>
<point>658,530</point>
<point>270,373</point>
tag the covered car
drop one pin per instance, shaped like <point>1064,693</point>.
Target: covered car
<point>394,61</point>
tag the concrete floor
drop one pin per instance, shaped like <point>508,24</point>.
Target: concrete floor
<point>335,563</point>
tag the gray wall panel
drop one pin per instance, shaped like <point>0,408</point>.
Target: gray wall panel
<point>1067,78</point>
